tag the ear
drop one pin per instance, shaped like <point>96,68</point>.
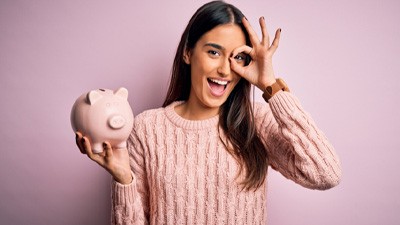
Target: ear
<point>122,92</point>
<point>93,97</point>
<point>186,56</point>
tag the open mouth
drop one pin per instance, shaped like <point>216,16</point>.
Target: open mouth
<point>217,87</point>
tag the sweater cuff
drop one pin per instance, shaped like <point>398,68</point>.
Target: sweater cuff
<point>123,193</point>
<point>284,102</point>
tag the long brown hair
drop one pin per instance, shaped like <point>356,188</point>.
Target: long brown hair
<point>236,116</point>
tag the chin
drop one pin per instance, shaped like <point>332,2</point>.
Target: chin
<point>213,102</point>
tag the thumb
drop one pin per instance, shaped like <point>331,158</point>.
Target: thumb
<point>239,69</point>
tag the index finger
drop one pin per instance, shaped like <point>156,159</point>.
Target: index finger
<point>252,34</point>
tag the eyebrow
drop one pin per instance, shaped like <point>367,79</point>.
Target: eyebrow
<point>217,46</point>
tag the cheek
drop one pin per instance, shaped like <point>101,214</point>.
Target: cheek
<point>204,66</point>
<point>197,76</point>
<point>197,69</point>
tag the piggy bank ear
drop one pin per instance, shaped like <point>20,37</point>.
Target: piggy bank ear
<point>122,92</point>
<point>93,97</point>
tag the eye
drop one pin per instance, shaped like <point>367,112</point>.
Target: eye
<point>213,52</point>
<point>240,58</point>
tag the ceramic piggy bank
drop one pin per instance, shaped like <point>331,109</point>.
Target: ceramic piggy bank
<point>103,115</point>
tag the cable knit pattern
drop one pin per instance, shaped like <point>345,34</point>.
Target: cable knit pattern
<point>184,175</point>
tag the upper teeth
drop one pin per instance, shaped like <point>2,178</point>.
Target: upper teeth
<point>220,82</point>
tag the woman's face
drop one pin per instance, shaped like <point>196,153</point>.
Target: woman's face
<point>212,77</point>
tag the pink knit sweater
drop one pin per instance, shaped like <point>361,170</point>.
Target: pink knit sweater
<point>183,174</point>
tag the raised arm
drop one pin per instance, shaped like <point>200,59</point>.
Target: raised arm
<point>297,148</point>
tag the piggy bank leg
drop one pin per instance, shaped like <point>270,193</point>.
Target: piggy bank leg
<point>121,145</point>
<point>97,147</point>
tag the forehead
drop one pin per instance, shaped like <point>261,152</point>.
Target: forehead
<point>229,36</point>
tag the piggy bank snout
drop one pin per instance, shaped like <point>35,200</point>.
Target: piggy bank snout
<point>116,121</point>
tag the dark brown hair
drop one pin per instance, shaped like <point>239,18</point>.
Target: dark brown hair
<point>236,116</point>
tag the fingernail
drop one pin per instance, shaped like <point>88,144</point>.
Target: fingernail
<point>262,18</point>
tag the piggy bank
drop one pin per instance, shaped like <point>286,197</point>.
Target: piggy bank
<point>103,115</point>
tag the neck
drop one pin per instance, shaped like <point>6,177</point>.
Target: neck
<point>195,111</point>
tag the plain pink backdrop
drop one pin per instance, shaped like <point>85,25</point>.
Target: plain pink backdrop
<point>340,58</point>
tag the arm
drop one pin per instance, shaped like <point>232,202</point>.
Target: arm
<point>296,146</point>
<point>130,202</point>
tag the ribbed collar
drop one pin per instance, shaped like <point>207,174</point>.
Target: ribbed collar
<point>189,124</point>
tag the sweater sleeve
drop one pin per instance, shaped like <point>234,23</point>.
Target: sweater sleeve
<point>130,202</point>
<point>297,147</point>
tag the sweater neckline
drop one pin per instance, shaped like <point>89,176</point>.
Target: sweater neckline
<point>189,124</point>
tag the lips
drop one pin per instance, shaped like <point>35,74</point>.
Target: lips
<point>217,87</point>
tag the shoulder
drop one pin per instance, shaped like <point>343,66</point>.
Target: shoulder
<point>149,116</point>
<point>145,123</point>
<point>153,118</point>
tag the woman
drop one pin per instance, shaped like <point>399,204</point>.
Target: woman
<point>203,157</point>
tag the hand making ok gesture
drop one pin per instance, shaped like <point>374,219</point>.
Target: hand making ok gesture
<point>260,71</point>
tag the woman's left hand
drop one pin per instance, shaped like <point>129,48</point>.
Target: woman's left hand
<point>259,72</point>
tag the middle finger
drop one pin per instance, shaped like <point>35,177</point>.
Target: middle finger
<point>265,36</point>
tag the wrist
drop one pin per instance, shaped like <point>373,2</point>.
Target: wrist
<point>273,88</point>
<point>127,178</point>
<point>263,85</point>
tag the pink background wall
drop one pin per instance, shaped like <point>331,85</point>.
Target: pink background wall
<point>341,58</point>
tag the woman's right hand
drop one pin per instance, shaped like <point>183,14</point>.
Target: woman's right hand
<point>116,162</point>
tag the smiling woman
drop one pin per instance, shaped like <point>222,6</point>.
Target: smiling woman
<point>203,157</point>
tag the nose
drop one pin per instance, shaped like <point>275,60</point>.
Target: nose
<point>116,122</point>
<point>224,68</point>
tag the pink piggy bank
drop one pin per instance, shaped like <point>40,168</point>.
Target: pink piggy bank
<point>103,115</point>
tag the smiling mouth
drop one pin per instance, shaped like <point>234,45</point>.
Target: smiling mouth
<point>217,87</point>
